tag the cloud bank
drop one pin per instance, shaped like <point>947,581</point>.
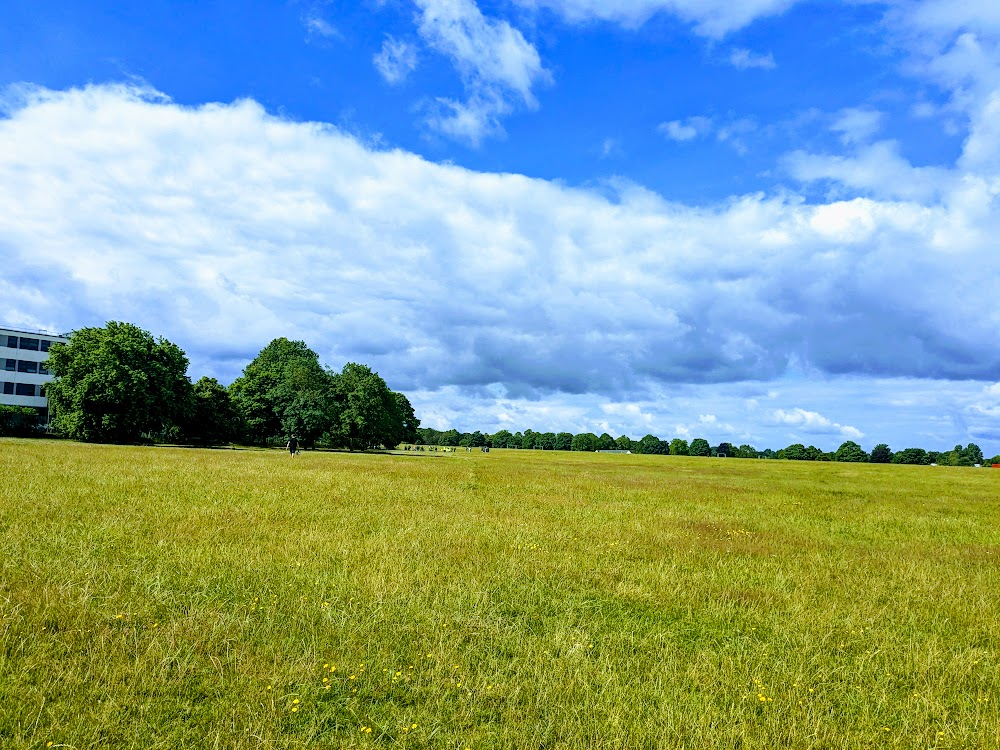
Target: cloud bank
<point>221,227</point>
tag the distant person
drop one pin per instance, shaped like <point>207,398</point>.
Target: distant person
<point>293,446</point>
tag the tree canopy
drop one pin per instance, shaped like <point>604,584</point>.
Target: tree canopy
<point>115,384</point>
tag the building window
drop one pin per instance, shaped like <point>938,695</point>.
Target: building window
<point>12,342</point>
<point>10,364</point>
<point>8,389</point>
<point>29,344</point>
<point>42,370</point>
<point>30,367</point>
<point>24,389</point>
<point>45,344</point>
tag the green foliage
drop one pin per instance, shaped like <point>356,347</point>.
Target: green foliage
<point>700,447</point>
<point>564,441</point>
<point>606,443</point>
<point>725,449</point>
<point>500,438</point>
<point>917,456</point>
<point>116,383</point>
<point>18,421</point>
<point>746,451</point>
<point>585,441</point>
<point>284,391</point>
<point>679,447</point>
<point>370,415</point>
<point>214,419</point>
<point>851,452</point>
<point>881,454</point>
<point>624,443</point>
<point>794,452</point>
<point>545,441</point>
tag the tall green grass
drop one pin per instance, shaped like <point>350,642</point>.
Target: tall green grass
<point>161,598</point>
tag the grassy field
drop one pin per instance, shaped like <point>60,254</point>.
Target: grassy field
<point>162,598</point>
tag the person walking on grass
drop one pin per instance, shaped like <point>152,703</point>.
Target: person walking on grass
<point>293,446</point>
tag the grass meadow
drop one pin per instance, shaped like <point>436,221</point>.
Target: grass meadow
<point>167,597</point>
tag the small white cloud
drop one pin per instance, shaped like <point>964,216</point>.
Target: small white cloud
<point>319,26</point>
<point>744,59</point>
<point>685,130</point>
<point>396,60</point>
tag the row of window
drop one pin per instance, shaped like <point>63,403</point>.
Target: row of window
<point>24,342</point>
<point>22,389</point>
<point>20,365</point>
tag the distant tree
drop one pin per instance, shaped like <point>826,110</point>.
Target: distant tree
<point>851,452</point>
<point>746,451</point>
<point>648,444</point>
<point>974,453</point>
<point>585,441</point>
<point>881,454</point>
<point>498,439</point>
<point>546,441</point>
<point>795,452</point>
<point>679,447</point>
<point>724,449</point>
<point>813,453</point>
<point>700,447</point>
<point>917,456</point>
<point>449,437</point>
<point>18,421</point>
<point>477,440</point>
<point>564,441</point>
<point>605,442</point>
<point>114,384</point>
<point>214,420</point>
<point>624,443</point>
<point>994,460</point>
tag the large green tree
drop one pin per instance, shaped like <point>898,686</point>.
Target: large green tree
<point>881,454</point>
<point>851,452</point>
<point>284,391</point>
<point>700,447</point>
<point>115,384</point>
<point>370,415</point>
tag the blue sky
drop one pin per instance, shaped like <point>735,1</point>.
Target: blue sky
<point>764,221</point>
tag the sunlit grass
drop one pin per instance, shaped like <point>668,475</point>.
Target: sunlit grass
<point>156,597</point>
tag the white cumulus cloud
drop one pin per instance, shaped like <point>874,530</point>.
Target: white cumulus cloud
<point>498,66</point>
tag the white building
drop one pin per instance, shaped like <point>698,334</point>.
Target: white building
<point>22,354</point>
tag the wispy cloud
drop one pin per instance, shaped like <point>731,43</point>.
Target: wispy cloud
<point>318,26</point>
<point>744,59</point>
<point>710,18</point>
<point>396,60</point>
<point>499,67</point>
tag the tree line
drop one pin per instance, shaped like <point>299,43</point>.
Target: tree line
<point>119,384</point>
<point>849,451</point>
